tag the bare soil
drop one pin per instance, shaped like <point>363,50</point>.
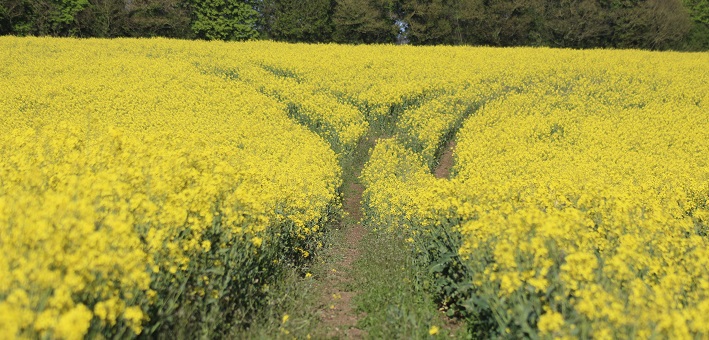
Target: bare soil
<point>445,164</point>
<point>338,311</point>
<point>443,170</point>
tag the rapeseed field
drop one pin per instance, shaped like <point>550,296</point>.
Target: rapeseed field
<point>579,201</point>
<point>146,182</point>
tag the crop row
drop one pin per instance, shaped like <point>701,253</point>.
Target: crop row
<point>579,201</point>
<point>140,195</point>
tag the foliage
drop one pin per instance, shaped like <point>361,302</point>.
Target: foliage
<point>698,38</point>
<point>699,10</point>
<point>224,19</point>
<point>645,24</point>
<point>651,24</point>
<point>362,21</point>
<point>427,21</point>
<point>164,18</point>
<point>577,24</point>
<point>293,20</point>
<point>41,17</point>
<point>103,18</point>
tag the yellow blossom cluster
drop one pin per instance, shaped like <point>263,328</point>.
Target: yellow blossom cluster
<point>579,205</point>
<point>132,182</point>
<point>426,128</point>
<point>146,180</point>
<point>594,186</point>
<point>336,120</point>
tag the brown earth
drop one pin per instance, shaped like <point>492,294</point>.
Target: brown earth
<point>338,311</point>
<point>443,170</point>
<point>445,164</point>
<point>338,315</point>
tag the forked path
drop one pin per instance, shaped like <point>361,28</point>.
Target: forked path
<point>338,312</point>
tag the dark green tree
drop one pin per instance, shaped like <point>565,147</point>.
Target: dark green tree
<point>13,17</point>
<point>165,18</point>
<point>297,20</point>
<point>698,10</point>
<point>698,37</point>
<point>649,24</point>
<point>577,23</point>
<point>365,21</point>
<point>103,18</point>
<point>41,17</point>
<point>224,19</point>
<point>513,22</point>
<point>5,23</point>
<point>430,21</point>
<point>467,18</point>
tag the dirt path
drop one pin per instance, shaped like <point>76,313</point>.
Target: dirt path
<point>338,314</point>
<point>338,310</point>
<point>443,170</point>
<point>445,164</point>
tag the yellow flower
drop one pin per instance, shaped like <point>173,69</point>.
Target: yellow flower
<point>73,324</point>
<point>206,245</point>
<point>550,322</point>
<point>575,171</point>
<point>433,330</point>
<point>134,315</point>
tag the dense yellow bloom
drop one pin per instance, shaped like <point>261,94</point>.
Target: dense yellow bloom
<point>550,322</point>
<point>582,180</point>
<point>73,323</point>
<point>131,167</point>
<point>125,169</point>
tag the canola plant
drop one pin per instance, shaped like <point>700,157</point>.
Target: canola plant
<point>143,181</point>
<point>579,202</point>
<point>133,184</point>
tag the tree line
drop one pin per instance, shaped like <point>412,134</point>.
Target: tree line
<point>648,24</point>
